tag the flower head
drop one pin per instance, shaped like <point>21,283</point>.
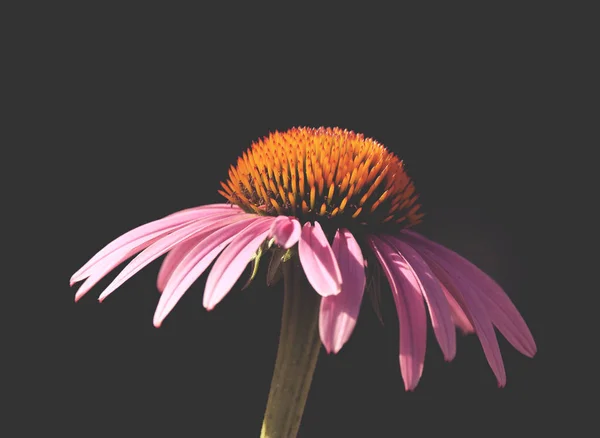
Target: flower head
<point>330,198</point>
<point>329,175</point>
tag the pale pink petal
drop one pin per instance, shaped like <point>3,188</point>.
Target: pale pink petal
<point>500,308</point>
<point>200,228</point>
<point>106,264</point>
<point>286,231</point>
<point>460,318</point>
<point>222,207</point>
<point>318,261</point>
<point>194,264</point>
<point>232,262</point>
<point>439,310</point>
<point>173,259</point>
<point>470,302</point>
<point>103,256</point>
<point>142,234</point>
<point>338,313</point>
<point>114,259</point>
<point>411,311</point>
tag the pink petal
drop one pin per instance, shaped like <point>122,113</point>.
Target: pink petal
<point>286,231</point>
<point>501,316</point>
<point>107,264</point>
<point>318,261</point>
<point>500,308</point>
<point>460,318</point>
<point>142,234</point>
<point>439,310</point>
<point>232,262</point>
<point>468,299</point>
<point>338,313</point>
<point>172,259</point>
<point>222,207</point>
<point>139,244</point>
<point>411,311</point>
<point>194,264</point>
<point>200,228</point>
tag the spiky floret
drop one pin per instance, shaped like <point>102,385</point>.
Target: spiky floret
<point>317,173</point>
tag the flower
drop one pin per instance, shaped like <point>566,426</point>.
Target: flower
<point>340,203</point>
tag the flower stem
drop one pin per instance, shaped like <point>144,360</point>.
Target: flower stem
<point>297,354</point>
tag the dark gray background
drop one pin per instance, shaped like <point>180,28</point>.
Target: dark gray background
<point>142,111</point>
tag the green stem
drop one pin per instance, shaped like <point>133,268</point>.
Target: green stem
<point>297,354</point>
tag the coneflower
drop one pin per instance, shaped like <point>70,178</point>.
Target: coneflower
<point>322,202</point>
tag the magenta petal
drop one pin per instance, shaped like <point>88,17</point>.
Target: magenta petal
<point>286,231</point>
<point>142,234</point>
<point>232,262</point>
<point>338,313</point>
<point>500,308</point>
<point>411,311</point>
<point>173,259</point>
<point>460,318</point>
<point>194,264</point>
<point>522,341</point>
<point>471,304</point>
<point>439,310</point>
<point>202,227</point>
<point>318,261</point>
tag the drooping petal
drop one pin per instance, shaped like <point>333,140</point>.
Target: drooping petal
<point>199,228</point>
<point>470,302</point>
<point>232,262</point>
<point>521,340</point>
<point>460,318</point>
<point>173,259</point>
<point>221,207</point>
<point>114,259</point>
<point>147,232</point>
<point>194,264</point>
<point>318,261</point>
<point>338,313</point>
<point>286,231</point>
<point>411,311</point>
<point>125,247</point>
<point>439,310</point>
<point>500,308</point>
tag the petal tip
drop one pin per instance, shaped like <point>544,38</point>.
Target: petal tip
<point>79,295</point>
<point>411,381</point>
<point>75,278</point>
<point>532,350</point>
<point>410,387</point>
<point>501,379</point>
<point>449,357</point>
<point>208,305</point>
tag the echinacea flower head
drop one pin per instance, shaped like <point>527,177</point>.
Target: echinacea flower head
<point>329,204</point>
<point>332,176</point>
